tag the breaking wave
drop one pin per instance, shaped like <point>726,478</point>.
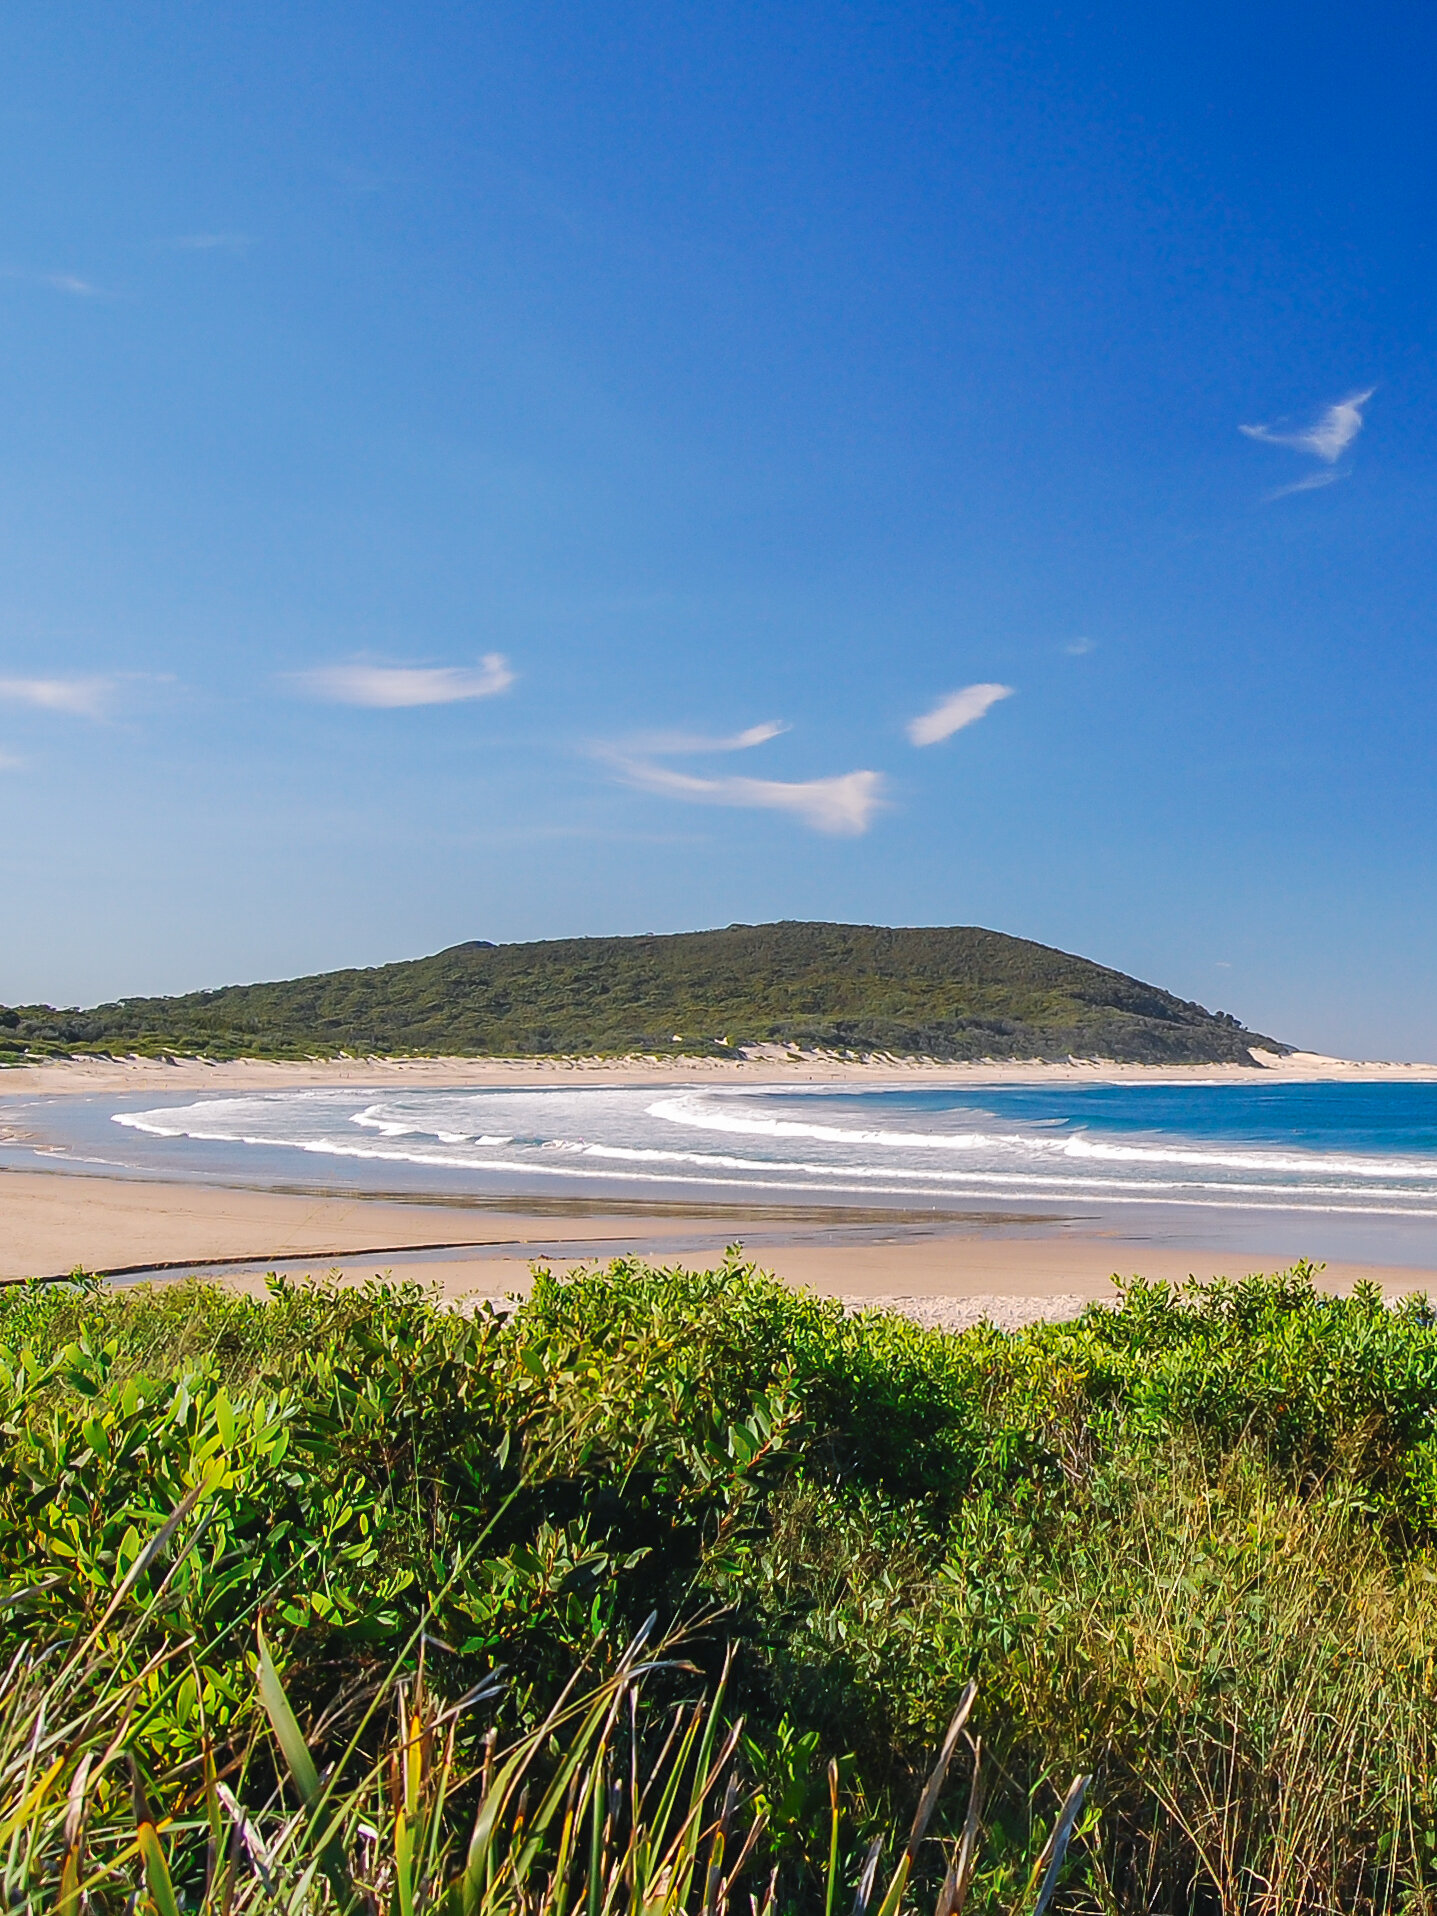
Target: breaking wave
<point>1213,1145</point>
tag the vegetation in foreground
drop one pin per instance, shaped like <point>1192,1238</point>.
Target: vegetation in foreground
<point>663,1592</point>
<point>955,992</point>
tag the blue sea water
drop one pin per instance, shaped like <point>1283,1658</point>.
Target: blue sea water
<point>1342,1164</point>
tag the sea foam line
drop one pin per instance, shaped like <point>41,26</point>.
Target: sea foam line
<point>924,1178</point>
<point>699,1115</point>
<point>998,1187</point>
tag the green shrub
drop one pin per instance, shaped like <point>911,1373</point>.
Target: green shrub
<point>1184,1543</point>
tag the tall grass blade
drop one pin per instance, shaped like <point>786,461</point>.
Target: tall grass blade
<point>157,1874</point>
<point>1056,1847</point>
<point>69,1899</point>
<point>302,1768</point>
<point>254,1844</point>
<point>927,1803</point>
<point>864,1893</point>
<point>830,1895</point>
<point>286,1729</point>
<point>959,1879</point>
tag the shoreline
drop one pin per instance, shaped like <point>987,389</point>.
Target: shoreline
<point>162,1225</point>
<point>759,1064</point>
<point>56,1220</point>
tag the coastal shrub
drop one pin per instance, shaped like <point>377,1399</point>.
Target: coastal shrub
<point>1182,1543</point>
<point>538,1494</point>
<point>1317,1378</point>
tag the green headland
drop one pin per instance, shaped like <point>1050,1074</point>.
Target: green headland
<point>953,992</point>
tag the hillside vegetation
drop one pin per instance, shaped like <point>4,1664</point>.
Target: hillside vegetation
<point>947,992</point>
<point>273,1574</point>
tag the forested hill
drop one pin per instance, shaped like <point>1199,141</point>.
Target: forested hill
<point>948,992</point>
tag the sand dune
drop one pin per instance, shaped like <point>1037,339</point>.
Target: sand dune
<point>759,1064</point>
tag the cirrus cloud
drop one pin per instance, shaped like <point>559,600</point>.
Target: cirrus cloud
<point>390,687</point>
<point>955,711</point>
<point>1327,438</point>
<point>679,744</point>
<point>81,697</point>
<point>70,283</point>
<point>843,805</point>
<point>1314,482</point>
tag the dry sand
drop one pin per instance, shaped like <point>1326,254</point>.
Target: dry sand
<point>755,1064</point>
<point>53,1221</point>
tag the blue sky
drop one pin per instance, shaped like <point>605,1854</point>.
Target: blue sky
<point>443,445</point>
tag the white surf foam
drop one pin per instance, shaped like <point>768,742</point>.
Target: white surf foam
<point>702,1114</point>
<point>630,1137</point>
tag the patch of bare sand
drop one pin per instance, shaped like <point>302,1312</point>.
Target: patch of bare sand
<point>1035,1275</point>
<point>931,1313</point>
<point>50,1222</point>
<point>962,1313</point>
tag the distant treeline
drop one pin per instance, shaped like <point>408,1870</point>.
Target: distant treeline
<point>949,992</point>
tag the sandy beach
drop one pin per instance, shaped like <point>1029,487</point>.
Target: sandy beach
<point>755,1064</point>
<point>130,1228</point>
<point>55,1219</point>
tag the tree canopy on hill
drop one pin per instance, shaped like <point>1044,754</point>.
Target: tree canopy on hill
<point>954,992</point>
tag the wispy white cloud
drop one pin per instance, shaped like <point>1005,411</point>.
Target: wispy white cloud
<point>57,282</point>
<point>83,697</point>
<point>955,711</point>
<point>678,744</point>
<point>392,686</point>
<point>1327,439</point>
<point>844,805</point>
<point>9,762</point>
<point>1324,476</point>
<point>1079,648</point>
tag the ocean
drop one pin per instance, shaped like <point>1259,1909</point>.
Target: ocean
<point>1339,1169</point>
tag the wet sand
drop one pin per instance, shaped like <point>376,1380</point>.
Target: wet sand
<point>52,1221</point>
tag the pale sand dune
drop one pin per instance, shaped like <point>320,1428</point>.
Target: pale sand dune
<point>962,1313</point>
<point>759,1064</point>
